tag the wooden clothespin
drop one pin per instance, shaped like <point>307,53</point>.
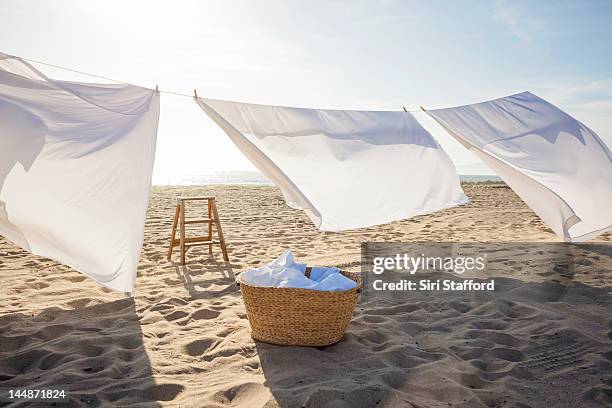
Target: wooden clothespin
<point>157,88</point>
<point>404,108</point>
<point>195,94</point>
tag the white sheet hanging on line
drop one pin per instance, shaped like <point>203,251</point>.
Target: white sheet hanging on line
<point>75,170</point>
<point>558,166</point>
<point>346,169</point>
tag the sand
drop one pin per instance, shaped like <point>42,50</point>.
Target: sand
<point>539,340</point>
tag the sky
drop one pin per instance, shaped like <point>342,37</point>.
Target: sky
<point>366,55</point>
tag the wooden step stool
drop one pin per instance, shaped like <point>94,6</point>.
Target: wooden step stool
<point>180,221</point>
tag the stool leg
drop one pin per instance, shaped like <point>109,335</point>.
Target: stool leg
<point>182,226</point>
<point>173,236</point>
<point>219,231</point>
<point>210,216</point>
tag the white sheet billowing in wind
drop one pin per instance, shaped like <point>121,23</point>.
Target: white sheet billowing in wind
<point>345,169</point>
<point>558,166</point>
<point>75,170</point>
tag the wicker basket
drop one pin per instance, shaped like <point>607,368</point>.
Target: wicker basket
<point>299,317</point>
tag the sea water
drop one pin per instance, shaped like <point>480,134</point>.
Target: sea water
<point>256,178</point>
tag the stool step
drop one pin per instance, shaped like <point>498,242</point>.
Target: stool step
<point>193,241</point>
<point>192,244</point>
<point>200,221</point>
<point>187,198</point>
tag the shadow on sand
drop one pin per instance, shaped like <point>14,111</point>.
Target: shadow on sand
<point>95,354</point>
<point>513,347</point>
<point>207,278</point>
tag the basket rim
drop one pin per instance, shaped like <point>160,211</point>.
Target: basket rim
<point>357,288</point>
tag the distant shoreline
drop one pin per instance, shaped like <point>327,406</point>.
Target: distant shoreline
<point>256,178</point>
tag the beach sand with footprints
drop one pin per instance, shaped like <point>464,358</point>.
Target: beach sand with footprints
<point>542,339</point>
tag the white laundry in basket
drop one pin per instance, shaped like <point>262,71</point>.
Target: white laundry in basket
<point>284,272</point>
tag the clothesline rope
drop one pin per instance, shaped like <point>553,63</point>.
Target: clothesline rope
<point>127,83</point>
<point>99,76</point>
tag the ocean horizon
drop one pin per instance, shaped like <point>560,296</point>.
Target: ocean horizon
<point>256,178</point>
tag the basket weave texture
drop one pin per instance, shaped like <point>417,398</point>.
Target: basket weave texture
<point>299,317</point>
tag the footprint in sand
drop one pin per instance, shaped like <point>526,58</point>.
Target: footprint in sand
<point>159,392</point>
<point>205,314</point>
<point>164,392</point>
<point>491,325</point>
<point>76,278</point>
<point>199,347</point>
<point>51,361</point>
<point>248,394</point>
<point>507,354</point>
<point>12,343</point>
<point>176,315</point>
<point>160,307</point>
<point>39,285</point>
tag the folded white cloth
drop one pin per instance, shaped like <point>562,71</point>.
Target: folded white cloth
<point>284,272</point>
